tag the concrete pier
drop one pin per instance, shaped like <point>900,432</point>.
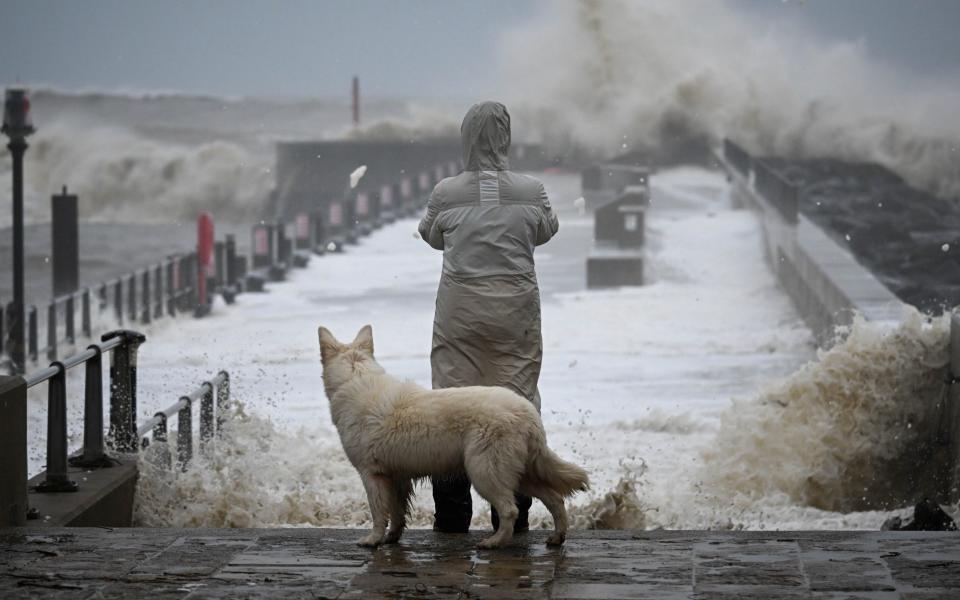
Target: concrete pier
<point>324,563</point>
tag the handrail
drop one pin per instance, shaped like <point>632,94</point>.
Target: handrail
<point>213,396</point>
<point>126,436</point>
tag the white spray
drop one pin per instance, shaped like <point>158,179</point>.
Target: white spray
<point>617,75</point>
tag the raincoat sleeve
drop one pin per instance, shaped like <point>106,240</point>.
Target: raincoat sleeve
<point>548,220</point>
<point>429,228</point>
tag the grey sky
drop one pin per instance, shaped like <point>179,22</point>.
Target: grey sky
<point>418,48</point>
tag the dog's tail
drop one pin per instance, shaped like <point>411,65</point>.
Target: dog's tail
<point>559,475</point>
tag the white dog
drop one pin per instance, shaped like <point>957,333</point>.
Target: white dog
<point>394,432</point>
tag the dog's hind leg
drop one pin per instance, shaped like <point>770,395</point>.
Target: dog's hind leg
<point>399,503</point>
<point>497,484</point>
<point>558,510</point>
<point>379,491</point>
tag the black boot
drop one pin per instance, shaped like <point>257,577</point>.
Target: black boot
<point>523,511</point>
<point>452,502</point>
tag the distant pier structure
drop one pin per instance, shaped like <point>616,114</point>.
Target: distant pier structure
<point>312,174</point>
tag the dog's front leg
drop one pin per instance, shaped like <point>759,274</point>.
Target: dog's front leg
<point>377,488</point>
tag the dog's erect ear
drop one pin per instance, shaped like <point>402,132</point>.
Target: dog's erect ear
<point>364,339</point>
<point>328,344</point>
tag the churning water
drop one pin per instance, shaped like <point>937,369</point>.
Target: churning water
<point>696,401</point>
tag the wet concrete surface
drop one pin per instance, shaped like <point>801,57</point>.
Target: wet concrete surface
<point>325,563</point>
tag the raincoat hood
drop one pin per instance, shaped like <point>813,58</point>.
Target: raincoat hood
<point>485,133</point>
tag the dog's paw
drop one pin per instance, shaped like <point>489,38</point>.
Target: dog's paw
<point>556,539</point>
<point>370,541</point>
<point>491,543</point>
<point>392,537</point>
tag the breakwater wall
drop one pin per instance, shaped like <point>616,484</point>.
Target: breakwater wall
<point>826,283</point>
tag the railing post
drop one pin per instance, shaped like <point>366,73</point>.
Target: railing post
<point>160,436</point>
<point>145,312</point>
<point>158,292</point>
<point>123,389</point>
<point>13,451</point>
<point>206,416</point>
<point>223,399</point>
<point>56,479</point>
<point>69,315</point>
<point>32,334</point>
<point>132,297</point>
<point>118,300</point>
<point>102,300</point>
<point>85,325</point>
<point>52,331</point>
<point>185,434</point>
<point>93,455</point>
<point>171,288</point>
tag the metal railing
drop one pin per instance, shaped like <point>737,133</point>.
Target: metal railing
<point>212,396</point>
<point>142,296</point>
<point>124,346</point>
<point>124,435</point>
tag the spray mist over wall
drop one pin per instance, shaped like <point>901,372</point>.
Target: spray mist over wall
<point>615,75</point>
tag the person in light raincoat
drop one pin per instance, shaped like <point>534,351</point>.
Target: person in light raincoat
<point>486,330</point>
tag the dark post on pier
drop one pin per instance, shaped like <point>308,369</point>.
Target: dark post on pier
<point>65,240</point>
<point>17,126</point>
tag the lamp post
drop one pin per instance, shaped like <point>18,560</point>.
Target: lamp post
<point>17,126</point>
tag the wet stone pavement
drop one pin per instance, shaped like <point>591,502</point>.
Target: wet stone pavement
<point>323,563</point>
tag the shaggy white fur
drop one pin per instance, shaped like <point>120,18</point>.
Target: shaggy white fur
<point>394,432</point>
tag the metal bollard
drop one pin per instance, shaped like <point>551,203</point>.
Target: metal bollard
<point>123,389</point>
<point>319,232</point>
<point>93,450</point>
<point>13,451</point>
<point>242,269</point>
<point>206,416</point>
<point>32,334</point>
<point>262,245</point>
<point>185,434</point>
<point>52,331</point>
<point>145,312</point>
<point>69,313</point>
<point>223,399</point>
<point>230,260</point>
<point>64,243</point>
<point>56,479</point>
<point>219,263</point>
<point>85,325</point>
<point>282,254</point>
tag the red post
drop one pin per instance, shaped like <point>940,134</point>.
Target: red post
<point>205,266</point>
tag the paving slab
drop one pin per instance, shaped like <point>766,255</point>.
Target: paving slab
<point>191,564</point>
